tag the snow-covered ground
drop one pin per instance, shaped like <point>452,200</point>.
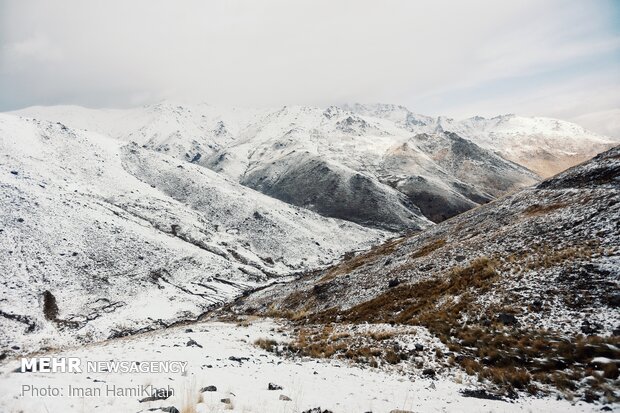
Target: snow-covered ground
<point>308,383</point>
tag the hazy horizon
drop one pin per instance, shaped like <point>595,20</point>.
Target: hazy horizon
<point>554,58</point>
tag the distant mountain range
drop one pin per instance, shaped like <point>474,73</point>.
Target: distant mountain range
<point>376,165</point>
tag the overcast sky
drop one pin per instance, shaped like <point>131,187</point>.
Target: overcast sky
<point>458,58</point>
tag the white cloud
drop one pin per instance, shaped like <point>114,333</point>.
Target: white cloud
<point>566,99</point>
<point>120,53</point>
<point>35,49</point>
<point>605,122</point>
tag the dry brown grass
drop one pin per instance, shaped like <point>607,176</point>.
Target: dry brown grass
<point>266,344</point>
<point>428,248</point>
<point>364,348</point>
<point>507,356</point>
<point>381,335</point>
<point>548,256</point>
<point>510,377</point>
<point>294,315</point>
<point>348,265</point>
<point>407,302</point>
<point>537,209</point>
<point>513,358</point>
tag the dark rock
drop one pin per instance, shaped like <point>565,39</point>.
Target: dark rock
<point>169,409</point>
<point>14,172</point>
<point>189,330</point>
<point>238,359</point>
<point>321,290</point>
<point>273,386</point>
<point>429,372</point>
<point>160,395</point>
<point>480,394</point>
<point>507,319</point>
<point>393,283</point>
<point>419,347</point>
<point>614,300</point>
<point>208,388</point>
<point>226,400</point>
<point>589,328</point>
<point>317,410</point>
<point>50,308</point>
<point>193,343</point>
<point>589,396</point>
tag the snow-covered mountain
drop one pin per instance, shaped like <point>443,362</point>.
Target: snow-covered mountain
<point>364,164</point>
<point>543,145</point>
<point>99,237</point>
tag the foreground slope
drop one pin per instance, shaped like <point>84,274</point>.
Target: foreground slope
<point>523,291</point>
<point>227,373</point>
<point>101,238</point>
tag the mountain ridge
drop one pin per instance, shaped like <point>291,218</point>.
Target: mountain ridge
<point>256,146</point>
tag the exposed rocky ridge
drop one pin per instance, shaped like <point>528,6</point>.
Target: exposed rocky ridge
<point>516,288</point>
<point>336,191</point>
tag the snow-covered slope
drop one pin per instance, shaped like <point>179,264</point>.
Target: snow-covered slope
<point>543,145</point>
<point>369,168</point>
<point>546,146</point>
<point>124,238</point>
